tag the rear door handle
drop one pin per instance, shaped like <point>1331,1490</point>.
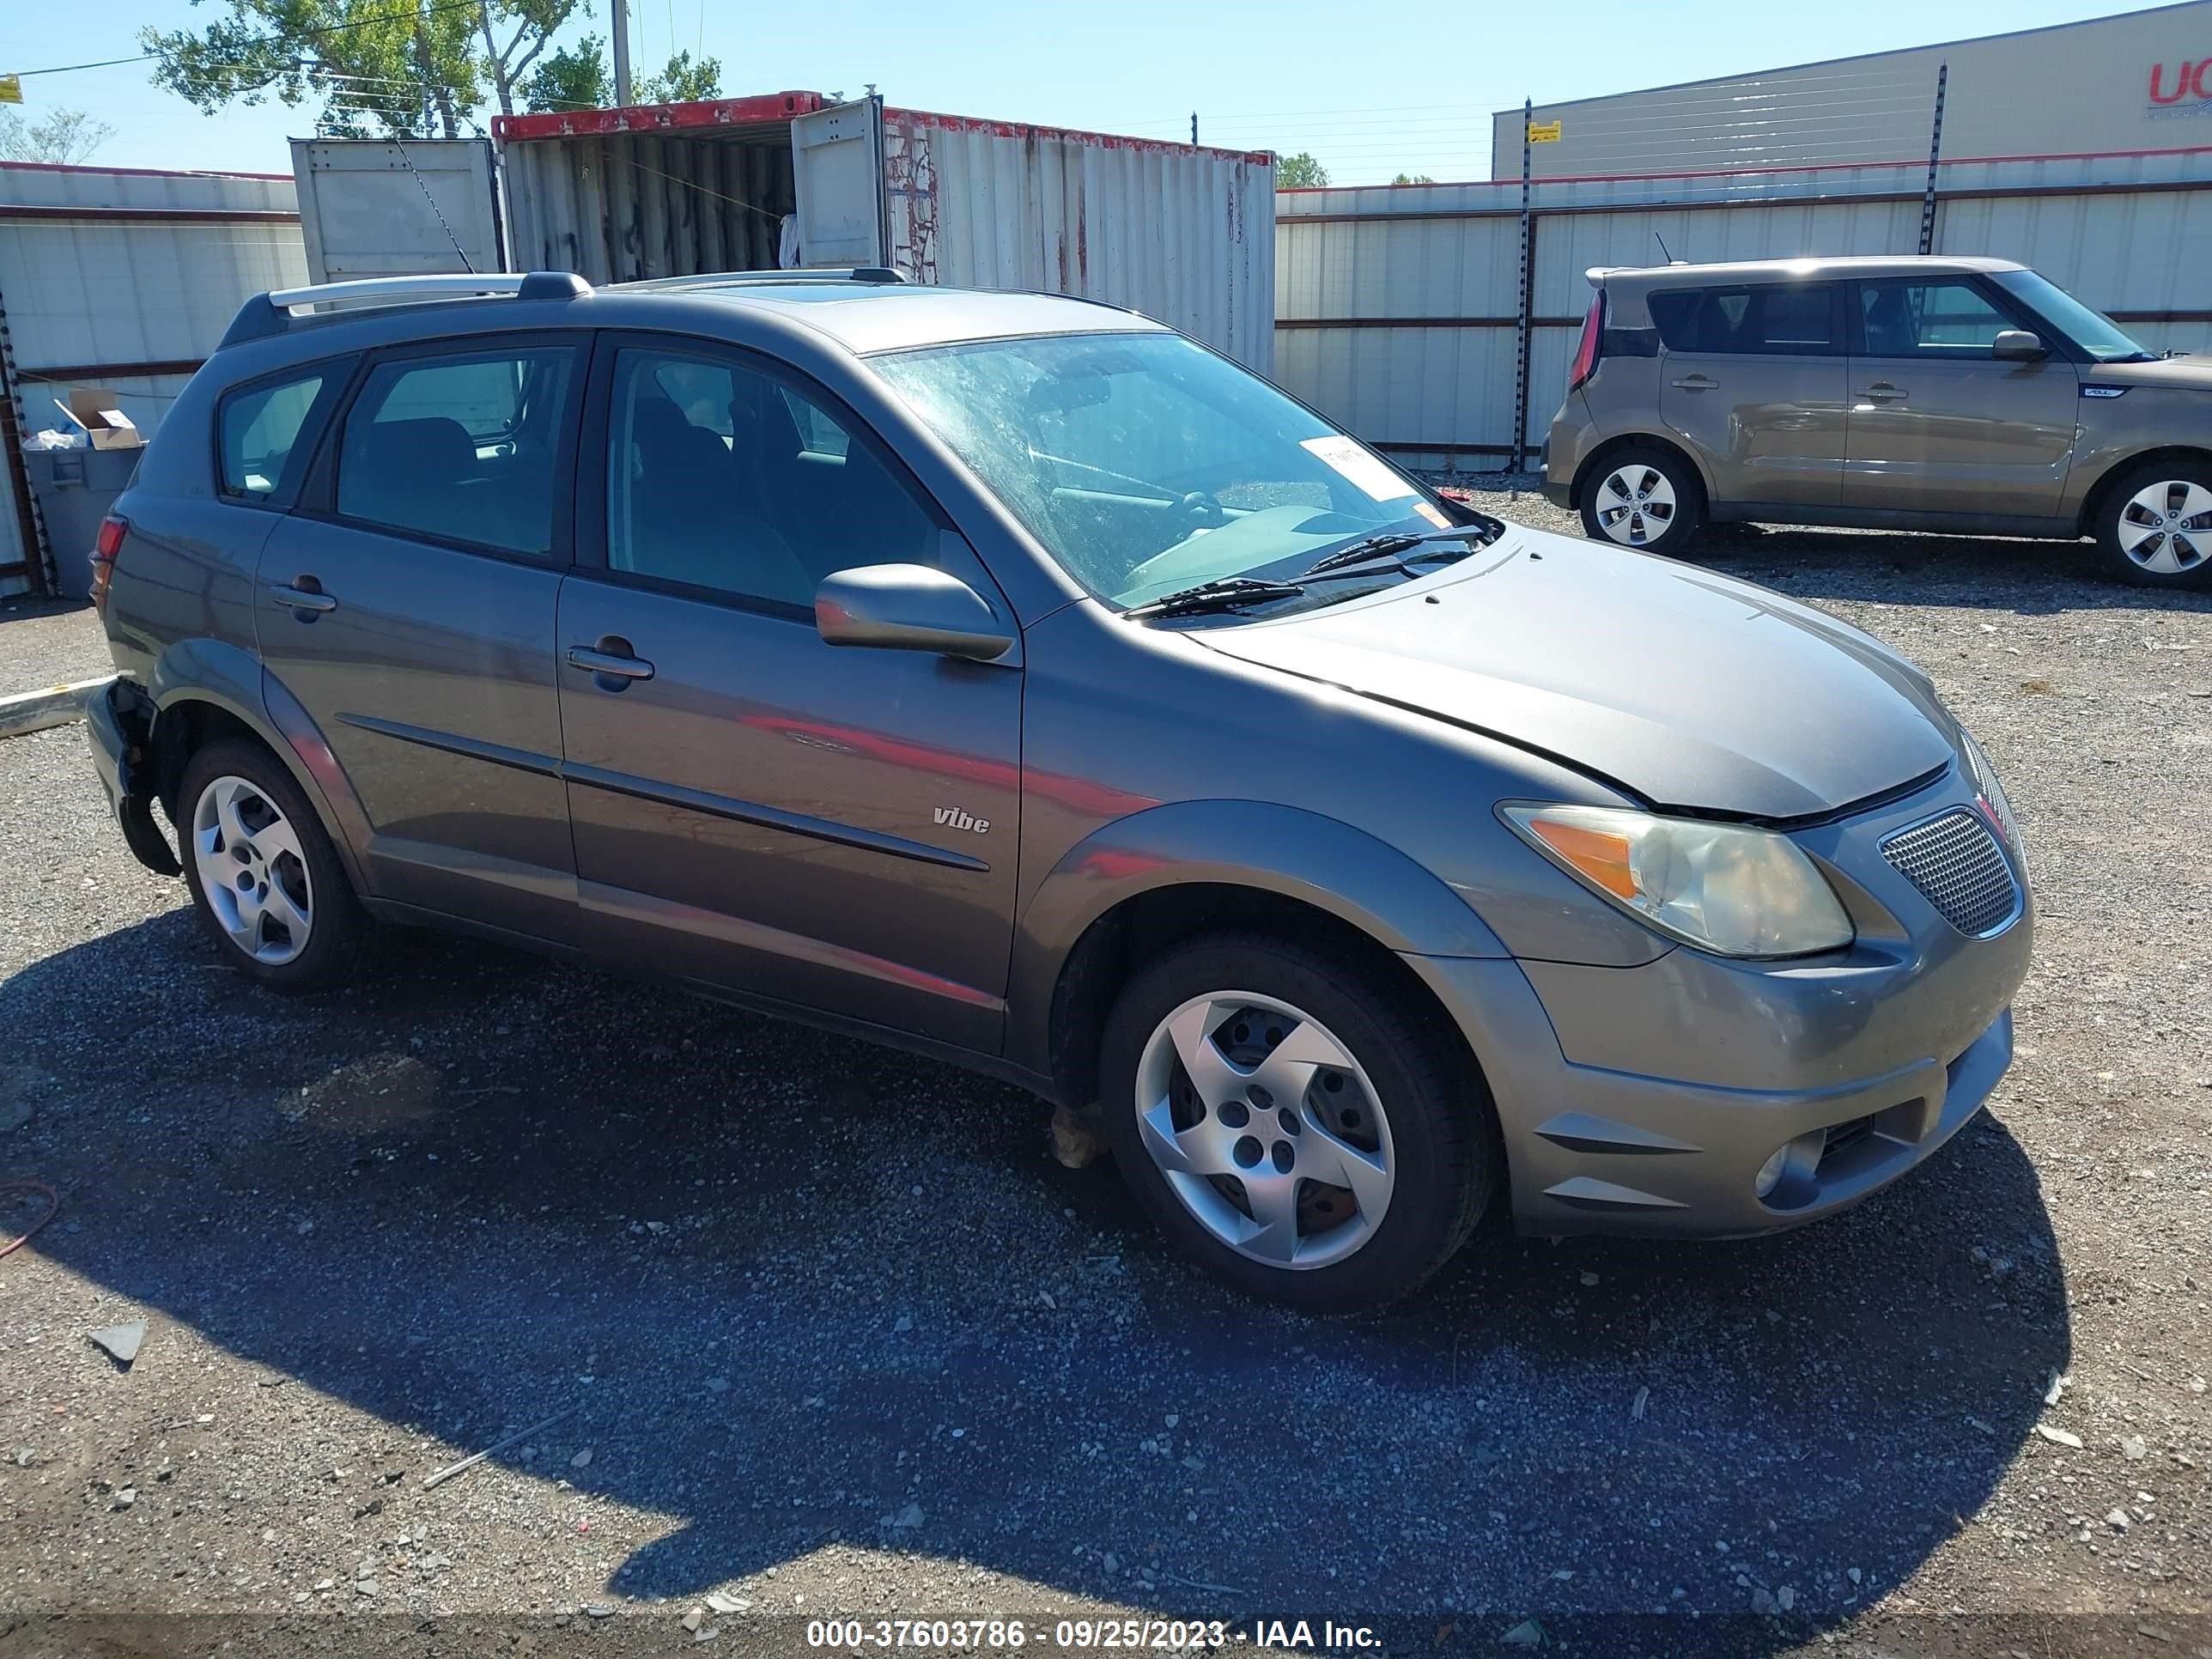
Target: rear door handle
<point>1882,392</point>
<point>1695,383</point>
<point>313,601</point>
<point>611,659</point>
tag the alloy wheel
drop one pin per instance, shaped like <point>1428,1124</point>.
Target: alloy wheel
<point>253,872</point>
<point>1636,504</point>
<point>1266,1127</point>
<point>2166,528</point>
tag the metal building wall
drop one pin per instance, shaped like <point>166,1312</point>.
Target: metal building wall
<point>2071,88</point>
<point>1184,234</point>
<point>1398,307</point>
<point>126,280</point>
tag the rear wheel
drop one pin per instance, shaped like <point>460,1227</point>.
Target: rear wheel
<point>264,878</point>
<point>1295,1128</point>
<point>1645,498</point>
<point>2155,528</point>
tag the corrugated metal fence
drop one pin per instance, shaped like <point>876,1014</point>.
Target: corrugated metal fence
<point>1398,307</point>
<point>124,280</point>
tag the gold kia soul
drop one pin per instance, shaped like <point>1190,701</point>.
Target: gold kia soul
<point>1909,393</point>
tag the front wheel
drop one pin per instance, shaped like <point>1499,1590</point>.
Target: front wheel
<point>2155,528</point>
<point>1303,1132</point>
<point>1645,498</point>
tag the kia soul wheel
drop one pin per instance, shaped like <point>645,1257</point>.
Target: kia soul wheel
<point>1644,498</point>
<point>2155,529</point>
<point>1296,1131</point>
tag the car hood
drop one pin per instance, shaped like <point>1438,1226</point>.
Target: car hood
<point>1683,688</point>
<point>2192,373</point>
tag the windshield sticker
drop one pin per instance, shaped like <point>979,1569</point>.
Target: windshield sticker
<point>1362,469</point>
<point>1432,515</point>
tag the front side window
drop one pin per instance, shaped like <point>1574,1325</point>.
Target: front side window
<point>1144,464</point>
<point>261,428</point>
<point>462,448</point>
<point>2094,333</point>
<point>722,479</point>
<point>1782,318</point>
<point>1928,319</point>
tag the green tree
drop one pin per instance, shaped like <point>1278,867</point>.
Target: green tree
<point>683,82</point>
<point>1299,172</point>
<point>1412,178</point>
<point>416,69</point>
<point>67,135</point>
<point>574,77</point>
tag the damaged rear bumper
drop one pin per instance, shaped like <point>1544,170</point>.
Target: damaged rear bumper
<point>119,722</point>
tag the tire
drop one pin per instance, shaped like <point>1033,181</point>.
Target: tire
<point>279,878</point>
<point>2155,528</point>
<point>1624,495</point>
<point>1225,1183</point>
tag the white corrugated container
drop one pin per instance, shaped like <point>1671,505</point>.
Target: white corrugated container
<point>1183,233</point>
<point>125,279</point>
<point>1398,307</point>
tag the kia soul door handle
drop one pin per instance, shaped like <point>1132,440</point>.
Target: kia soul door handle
<point>1882,391</point>
<point>1696,383</point>
<point>609,663</point>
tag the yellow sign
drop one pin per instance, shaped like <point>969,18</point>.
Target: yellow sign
<point>1544,132</point>
<point>12,89</point>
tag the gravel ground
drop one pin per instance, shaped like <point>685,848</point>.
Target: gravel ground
<point>838,1336</point>
<point>46,643</point>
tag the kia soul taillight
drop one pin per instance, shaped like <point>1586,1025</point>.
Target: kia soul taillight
<point>1586,351</point>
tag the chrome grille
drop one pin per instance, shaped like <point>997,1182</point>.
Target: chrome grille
<point>1958,868</point>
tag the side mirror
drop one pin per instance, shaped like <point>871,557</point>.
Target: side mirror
<point>909,607</point>
<point>2018,345</point>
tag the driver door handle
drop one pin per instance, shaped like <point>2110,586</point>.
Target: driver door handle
<point>1696,383</point>
<point>1882,392</point>
<point>311,601</point>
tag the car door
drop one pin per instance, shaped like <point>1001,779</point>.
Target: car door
<point>1939,425</point>
<point>409,602</point>
<point>825,826</point>
<point>1751,379</point>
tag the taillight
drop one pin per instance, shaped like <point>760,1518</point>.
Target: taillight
<point>113,530</point>
<point>1586,352</point>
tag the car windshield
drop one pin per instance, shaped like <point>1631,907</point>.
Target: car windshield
<point>1146,464</point>
<point>2093,332</point>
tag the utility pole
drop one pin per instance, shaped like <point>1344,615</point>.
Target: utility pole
<point>619,16</point>
<point>1194,126</point>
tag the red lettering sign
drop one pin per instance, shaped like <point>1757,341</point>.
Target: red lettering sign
<point>2190,81</point>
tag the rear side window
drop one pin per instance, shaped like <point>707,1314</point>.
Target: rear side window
<point>460,448</point>
<point>262,428</point>
<point>1791,319</point>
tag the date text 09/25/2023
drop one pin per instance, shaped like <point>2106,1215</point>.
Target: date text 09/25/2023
<point>1082,1635</point>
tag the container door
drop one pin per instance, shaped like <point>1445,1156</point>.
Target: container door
<point>370,208</point>
<point>837,166</point>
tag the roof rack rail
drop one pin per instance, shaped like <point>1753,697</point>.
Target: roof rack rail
<point>266,314</point>
<point>796,274</point>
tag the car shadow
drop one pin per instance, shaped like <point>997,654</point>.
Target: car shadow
<point>802,1290</point>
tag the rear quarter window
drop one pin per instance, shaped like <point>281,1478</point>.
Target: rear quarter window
<point>1764,320</point>
<point>265,432</point>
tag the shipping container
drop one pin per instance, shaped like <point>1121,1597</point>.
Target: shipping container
<point>1182,233</point>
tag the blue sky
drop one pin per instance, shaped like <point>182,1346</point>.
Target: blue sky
<point>1369,92</point>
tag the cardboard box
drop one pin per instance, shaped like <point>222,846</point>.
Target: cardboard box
<point>106,426</point>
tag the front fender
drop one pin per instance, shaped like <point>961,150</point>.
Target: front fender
<point>1304,856</point>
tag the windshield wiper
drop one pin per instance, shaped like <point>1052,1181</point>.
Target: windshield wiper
<point>1223,594</point>
<point>1393,542</point>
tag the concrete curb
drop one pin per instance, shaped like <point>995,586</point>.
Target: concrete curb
<point>55,705</point>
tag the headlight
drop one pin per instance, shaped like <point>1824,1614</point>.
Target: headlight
<point>1722,887</point>
<point>1999,809</point>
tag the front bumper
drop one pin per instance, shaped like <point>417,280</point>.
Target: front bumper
<point>1645,1100</point>
<point>118,724</point>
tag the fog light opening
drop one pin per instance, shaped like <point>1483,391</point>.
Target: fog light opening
<point>1771,1172</point>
